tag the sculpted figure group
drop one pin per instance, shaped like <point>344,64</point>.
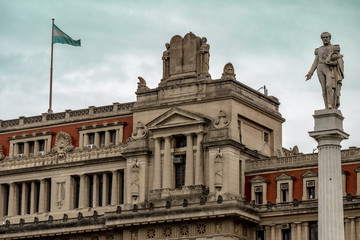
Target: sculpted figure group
<point>330,70</point>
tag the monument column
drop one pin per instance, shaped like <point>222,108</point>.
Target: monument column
<point>328,132</point>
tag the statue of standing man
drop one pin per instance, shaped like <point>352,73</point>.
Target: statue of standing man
<point>330,70</point>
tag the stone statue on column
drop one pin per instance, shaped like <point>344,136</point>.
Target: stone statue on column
<point>330,70</point>
<point>166,61</point>
<point>204,58</point>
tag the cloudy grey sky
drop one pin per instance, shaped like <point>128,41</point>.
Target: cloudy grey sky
<point>269,43</point>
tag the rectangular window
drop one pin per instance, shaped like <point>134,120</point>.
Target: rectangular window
<point>310,187</point>
<point>48,206</point>
<point>76,191</point>
<point>180,141</point>
<point>28,196</point>
<point>113,137</point>
<point>258,195</point>
<point>5,196</point>
<point>91,138</point>
<point>109,187</point>
<point>260,234</point>
<point>266,137</point>
<point>121,183</point>
<point>286,234</point>
<point>313,231</point>
<point>91,190</point>
<point>102,138</point>
<point>100,177</point>
<point>179,170</point>
<point>284,192</point>
<point>37,196</point>
<point>41,145</point>
<point>21,148</point>
<point>31,147</point>
<point>19,205</point>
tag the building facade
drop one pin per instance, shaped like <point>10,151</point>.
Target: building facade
<point>194,158</point>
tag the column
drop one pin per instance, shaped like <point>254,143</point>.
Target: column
<point>11,150</point>
<point>33,197</point>
<point>121,134</point>
<point>293,232</point>
<point>97,139</point>
<point>86,139</point>
<point>305,231</point>
<point>272,232</point>
<point>95,190</point>
<point>42,196</point>
<point>107,138</point>
<point>352,228</point>
<point>189,171</point>
<point>167,183</point>
<point>298,231</point>
<point>115,188</point>
<point>105,198</point>
<point>26,149</point>
<point>84,192</point>
<point>199,168</point>
<point>12,206</point>
<point>23,198</point>
<point>16,149</point>
<point>328,132</point>
<point>157,164</point>
<point>117,137</point>
<point>36,147</point>
<point>357,228</point>
<point>347,228</point>
<point>81,140</point>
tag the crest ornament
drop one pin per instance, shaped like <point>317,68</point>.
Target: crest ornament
<point>228,72</point>
<point>63,144</point>
<point>222,121</point>
<point>140,132</point>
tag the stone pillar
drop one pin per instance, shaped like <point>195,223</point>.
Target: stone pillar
<point>305,231</point>
<point>189,172</point>
<point>42,196</point>
<point>272,234</point>
<point>16,149</point>
<point>328,132</point>
<point>199,167</point>
<point>157,165</point>
<point>107,138</point>
<point>352,228</point>
<point>84,192</point>
<point>167,181</point>
<point>293,231</point>
<point>36,147</point>
<point>97,139</point>
<point>121,134</point>
<point>298,231</point>
<point>26,149</point>
<point>86,139</point>
<point>115,188</point>
<point>33,201</point>
<point>357,228</point>
<point>96,190</point>
<point>24,198</point>
<point>105,189</point>
<point>12,199</point>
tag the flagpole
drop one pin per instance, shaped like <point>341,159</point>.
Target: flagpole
<point>51,66</point>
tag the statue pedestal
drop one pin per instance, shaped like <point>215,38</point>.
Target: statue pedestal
<point>328,132</point>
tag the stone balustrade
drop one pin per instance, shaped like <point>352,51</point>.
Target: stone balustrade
<point>67,116</point>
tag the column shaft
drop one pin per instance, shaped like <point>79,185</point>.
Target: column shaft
<point>84,192</point>
<point>107,138</point>
<point>115,188</point>
<point>189,172</point>
<point>26,149</point>
<point>157,165</point>
<point>36,147</point>
<point>42,196</point>
<point>167,181</point>
<point>23,198</point>
<point>33,201</point>
<point>97,139</point>
<point>199,168</point>
<point>95,190</point>
<point>12,200</point>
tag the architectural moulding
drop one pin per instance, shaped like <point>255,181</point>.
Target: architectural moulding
<point>222,121</point>
<point>63,144</point>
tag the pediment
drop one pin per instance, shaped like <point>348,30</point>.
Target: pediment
<point>259,179</point>
<point>284,176</point>
<point>309,174</point>
<point>176,117</point>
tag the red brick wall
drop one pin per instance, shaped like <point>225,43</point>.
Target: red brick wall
<point>298,182</point>
<point>70,129</point>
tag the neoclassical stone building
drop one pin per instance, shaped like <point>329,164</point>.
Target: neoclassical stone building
<point>194,158</point>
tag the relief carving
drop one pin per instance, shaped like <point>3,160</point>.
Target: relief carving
<point>218,169</point>
<point>228,72</point>
<point>222,121</point>
<point>140,132</point>
<point>63,144</point>
<point>135,184</point>
<point>60,193</point>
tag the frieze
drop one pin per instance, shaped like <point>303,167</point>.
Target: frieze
<point>77,155</point>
